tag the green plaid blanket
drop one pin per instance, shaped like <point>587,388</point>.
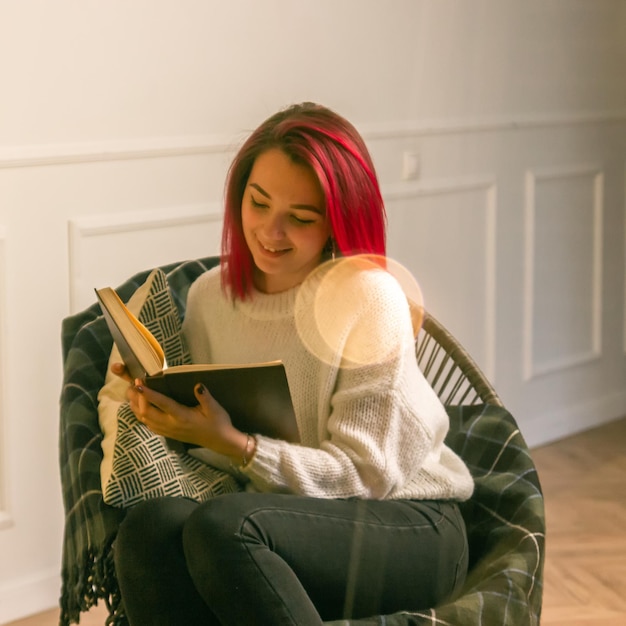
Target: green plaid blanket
<point>505,517</point>
<point>90,525</point>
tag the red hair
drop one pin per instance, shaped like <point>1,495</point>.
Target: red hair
<point>315,136</point>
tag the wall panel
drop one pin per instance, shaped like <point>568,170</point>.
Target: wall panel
<point>444,232</point>
<point>106,249</point>
<point>563,265</point>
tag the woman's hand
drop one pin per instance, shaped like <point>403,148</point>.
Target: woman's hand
<point>207,425</point>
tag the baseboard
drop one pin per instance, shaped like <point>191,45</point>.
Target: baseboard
<point>28,596</point>
<point>549,427</point>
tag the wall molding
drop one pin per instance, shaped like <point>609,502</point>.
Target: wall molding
<point>530,369</point>
<point>102,225</point>
<point>489,124</point>
<point>486,185</point>
<point>164,147</point>
<point>439,186</point>
<point>6,519</point>
<point>122,150</point>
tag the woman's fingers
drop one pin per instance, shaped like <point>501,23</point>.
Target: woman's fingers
<point>148,398</point>
<point>210,407</point>
<point>206,424</point>
<point>119,369</point>
<point>207,404</point>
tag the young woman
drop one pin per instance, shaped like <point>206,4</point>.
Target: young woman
<point>361,517</point>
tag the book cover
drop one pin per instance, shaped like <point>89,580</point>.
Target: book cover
<point>138,347</point>
<point>255,395</point>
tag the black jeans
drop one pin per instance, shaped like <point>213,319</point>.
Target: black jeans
<point>270,559</point>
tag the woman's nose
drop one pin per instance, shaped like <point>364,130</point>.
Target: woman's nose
<point>274,226</point>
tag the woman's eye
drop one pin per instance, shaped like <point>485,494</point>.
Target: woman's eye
<point>295,219</point>
<point>299,220</point>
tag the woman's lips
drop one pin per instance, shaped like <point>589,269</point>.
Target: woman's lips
<point>272,250</point>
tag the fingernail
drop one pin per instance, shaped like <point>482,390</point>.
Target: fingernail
<point>201,388</point>
<point>138,386</point>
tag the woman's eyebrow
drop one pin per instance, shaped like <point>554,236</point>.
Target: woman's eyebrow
<point>261,190</point>
<point>302,207</point>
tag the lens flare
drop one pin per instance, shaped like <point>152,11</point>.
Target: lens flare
<point>340,305</point>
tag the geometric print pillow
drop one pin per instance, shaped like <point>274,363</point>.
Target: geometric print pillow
<point>145,467</point>
<point>137,463</point>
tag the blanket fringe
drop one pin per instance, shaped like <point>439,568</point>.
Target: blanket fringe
<point>85,585</point>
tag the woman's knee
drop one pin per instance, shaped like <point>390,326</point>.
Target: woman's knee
<point>222,526</point>
<point>151,525</point>
<point>219,518</point>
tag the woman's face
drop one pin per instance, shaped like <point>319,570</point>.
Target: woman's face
<point>284,221</point>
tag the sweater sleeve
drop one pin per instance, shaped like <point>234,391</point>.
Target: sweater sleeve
<point>382,421</point>
<point>363,457</point>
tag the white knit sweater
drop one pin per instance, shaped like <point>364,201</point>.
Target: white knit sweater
<point>368,430</point>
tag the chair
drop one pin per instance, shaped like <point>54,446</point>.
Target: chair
<point>505,516</point>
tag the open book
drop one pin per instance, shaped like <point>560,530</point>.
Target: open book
<point>255,395</point>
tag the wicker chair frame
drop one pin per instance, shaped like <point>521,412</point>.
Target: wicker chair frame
<point>88,572</point>
<point>448,367</point>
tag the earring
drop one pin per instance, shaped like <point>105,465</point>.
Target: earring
<point>329,249</point>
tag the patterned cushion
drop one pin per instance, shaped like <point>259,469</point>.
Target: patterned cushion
<point>145,467</point>
<point>137,464</point>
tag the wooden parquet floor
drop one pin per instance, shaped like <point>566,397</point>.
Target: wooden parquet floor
<point>584,482</point>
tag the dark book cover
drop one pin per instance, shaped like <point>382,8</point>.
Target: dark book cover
<point>256,397</point>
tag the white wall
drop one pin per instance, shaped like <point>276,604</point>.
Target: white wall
<point>118,120</point>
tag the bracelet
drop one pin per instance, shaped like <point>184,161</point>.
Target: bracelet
<point>246,453</point>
